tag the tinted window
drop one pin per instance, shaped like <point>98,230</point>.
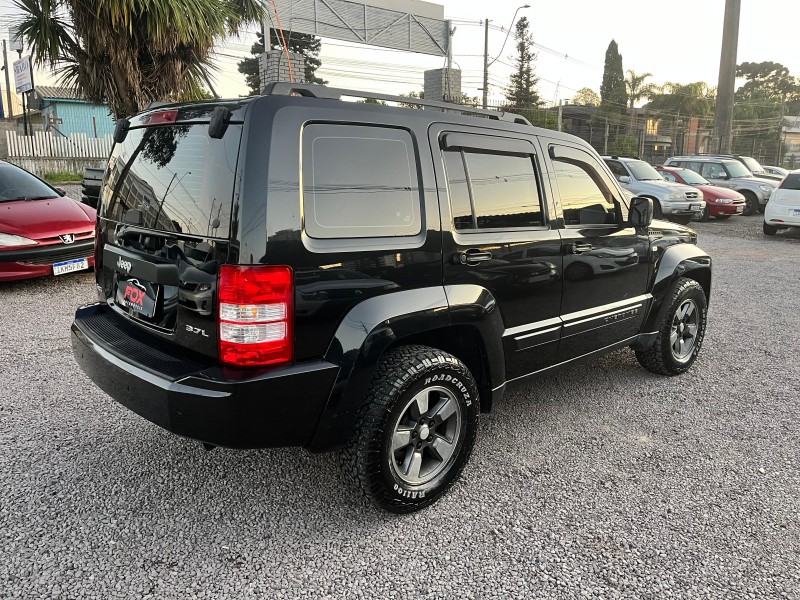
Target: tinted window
<point>791,182</point>
<point>503,187</point>
<point>359,182</point>
<point>713,171</point>
<point>18,183</point>
<point>586,198</point>
<point>616,168</point>
<point>179,178</point>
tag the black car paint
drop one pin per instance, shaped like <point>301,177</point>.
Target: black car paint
<point>427,298</point>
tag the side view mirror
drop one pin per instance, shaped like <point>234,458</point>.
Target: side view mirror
<point>61,191</point>
<point>624,179</point>
<point>641,212</point>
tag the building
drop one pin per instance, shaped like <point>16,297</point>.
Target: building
<point>791,142</point>
<point>65,112</point>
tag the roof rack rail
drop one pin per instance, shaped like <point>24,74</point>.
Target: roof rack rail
<point>283,88</point>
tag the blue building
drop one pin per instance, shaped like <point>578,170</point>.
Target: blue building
<point>65,112</point>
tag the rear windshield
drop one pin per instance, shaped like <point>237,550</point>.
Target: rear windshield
<point>178,177</point>
<point>791,182</point>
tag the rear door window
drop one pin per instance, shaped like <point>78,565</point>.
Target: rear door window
<point>791,182</point>
<point>359,182</point>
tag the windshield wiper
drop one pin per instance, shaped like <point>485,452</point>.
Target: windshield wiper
<point>27,198</point>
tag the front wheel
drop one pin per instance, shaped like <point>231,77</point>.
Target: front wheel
<point>415,431</point>
<point>706,214</point>
<point>751,206</point>
<point>680,331</point>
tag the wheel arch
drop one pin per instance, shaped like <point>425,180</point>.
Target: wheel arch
<point>463,322</point>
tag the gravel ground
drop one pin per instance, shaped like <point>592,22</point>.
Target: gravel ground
<point>600,481</point>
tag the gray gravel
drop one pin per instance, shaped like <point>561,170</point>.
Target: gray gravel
<point>601,481</point>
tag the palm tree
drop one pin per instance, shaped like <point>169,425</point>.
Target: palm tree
<point>131,52</point>
<point>637,89</point>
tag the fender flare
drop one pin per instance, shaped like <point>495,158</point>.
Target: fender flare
<point>679,260</point>
<point>375,324</point>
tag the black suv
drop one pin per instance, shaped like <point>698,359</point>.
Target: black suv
<point>297,270</point>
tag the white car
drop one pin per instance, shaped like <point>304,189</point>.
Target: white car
<point>783,208</point>
<point>776,170</point>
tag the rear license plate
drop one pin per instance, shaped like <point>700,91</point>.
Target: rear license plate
<point>137,295</point>
<point>68,266</point>
<point>797,213</point>
<point>694,206</point>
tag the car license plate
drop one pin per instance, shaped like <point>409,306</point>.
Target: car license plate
<point>694,206</point>
<point>739,209</point>
<point>137,295</point>
<point>68,266</point>
<point>797,213</point>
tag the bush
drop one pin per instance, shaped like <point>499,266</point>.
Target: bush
<point>62,177</point>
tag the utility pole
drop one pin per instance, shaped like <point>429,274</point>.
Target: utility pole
<point>723,121</point>
<point>485,62</point>
<point>560,116</point>
<point>8,82</point>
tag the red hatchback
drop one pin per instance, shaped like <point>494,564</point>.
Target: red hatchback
<point>42,232</point>
<point>721,202</point>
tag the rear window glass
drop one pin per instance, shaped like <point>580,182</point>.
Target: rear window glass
<point>179,178</point>
<point>791,182</point>
<point>359,182</point>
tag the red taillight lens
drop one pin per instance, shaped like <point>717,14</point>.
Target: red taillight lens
<point>255,315</point>
<point>162,118</point>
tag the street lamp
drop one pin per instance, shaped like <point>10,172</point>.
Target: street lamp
<point>486,63</point>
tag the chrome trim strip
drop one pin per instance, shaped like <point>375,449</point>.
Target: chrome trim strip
<point>603,315</point>
<point>530,327</point>
<point>535,333</point>
<point>606,308</point>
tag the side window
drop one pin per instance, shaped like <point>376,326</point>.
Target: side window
<point>712,171</point>
<point>359,182</point>
<point>668,176</point>
<point>492,190</point>
<point>586,197</point>
<point>616,168</point>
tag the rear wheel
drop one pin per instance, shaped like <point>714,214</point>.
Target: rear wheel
<point>751,207</point>
<point>770,229</point>
<point>415,431</point>
<point>681,330</point>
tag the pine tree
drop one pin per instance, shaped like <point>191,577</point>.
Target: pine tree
<point>306,44</point>
<point>522,92</point>
<point>613,95</point>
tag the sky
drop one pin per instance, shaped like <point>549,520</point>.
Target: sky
<point>677,41</point>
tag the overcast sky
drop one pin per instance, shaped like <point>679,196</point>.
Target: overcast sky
<point>676,41</point>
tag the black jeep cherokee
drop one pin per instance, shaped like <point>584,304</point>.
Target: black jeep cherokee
<point>297,270</point>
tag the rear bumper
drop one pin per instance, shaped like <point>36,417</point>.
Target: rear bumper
<point>232,408</point>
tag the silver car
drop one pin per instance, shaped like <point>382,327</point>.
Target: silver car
<point>729,173</point>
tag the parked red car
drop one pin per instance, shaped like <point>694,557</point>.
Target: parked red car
<point>721,202</point>
<point>42,232</point>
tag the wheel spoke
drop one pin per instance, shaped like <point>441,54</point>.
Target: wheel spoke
<point>414,462</point>
<point>445,409</point>
<point>692,330</point>
<point>420,404</point>
<point>443,449</point>
<point>673,337</point>
<point>401,437</point>
<point>689,310</point>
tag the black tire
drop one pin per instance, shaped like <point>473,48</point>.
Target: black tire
<point>385,422</point>
<point>706,214</point>
<point>770,229</point>
<point>751,207</point>
<point>663,358</point>
<point>657,212</point>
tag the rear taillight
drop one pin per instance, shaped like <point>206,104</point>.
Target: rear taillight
<point>255,315</point>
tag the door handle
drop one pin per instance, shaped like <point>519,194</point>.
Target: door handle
<point>577,248</point>
<point>473,257</point>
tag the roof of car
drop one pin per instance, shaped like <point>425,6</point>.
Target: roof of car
<point>704,158</point>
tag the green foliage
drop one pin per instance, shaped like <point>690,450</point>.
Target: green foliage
<point>691,99</point>
<point>62,177</point>
<point>306,44</point>
<point>131,53</point>
<point>623,145</point>
<point>637,88</point>
<point>613,95</point>
<point>372,101</point>
<point>521,92</point>
<point>586,97</point>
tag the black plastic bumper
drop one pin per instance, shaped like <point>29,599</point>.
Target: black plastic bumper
<point>232,408</point>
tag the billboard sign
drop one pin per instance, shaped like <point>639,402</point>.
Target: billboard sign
<point>14,39</point>
<point>410,25</point>
<point>23,76</point>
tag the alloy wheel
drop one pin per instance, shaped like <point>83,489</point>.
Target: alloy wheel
<point>683,333</point>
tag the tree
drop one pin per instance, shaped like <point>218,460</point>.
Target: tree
<point>130,53</point>
<point>586,97</point>
<point>303,43</point>
<point>636,87</point>
<point>613,96</point>
<point>522,93</point>
<point>690,99</point>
